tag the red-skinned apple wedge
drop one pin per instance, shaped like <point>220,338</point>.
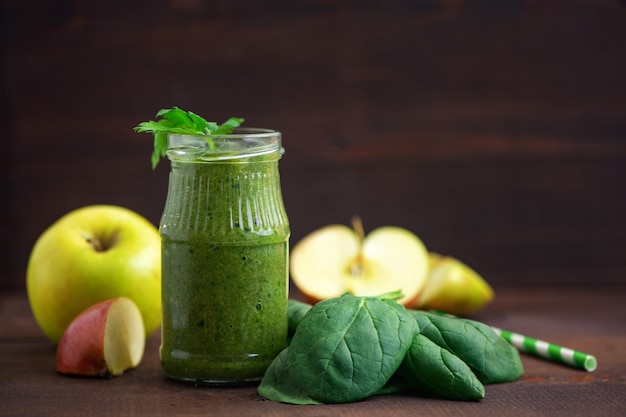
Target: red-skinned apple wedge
<point>104,340</point>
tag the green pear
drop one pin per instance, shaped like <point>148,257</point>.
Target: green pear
<point>453,287</point>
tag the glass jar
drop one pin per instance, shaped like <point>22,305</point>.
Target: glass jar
<point>225,255</point>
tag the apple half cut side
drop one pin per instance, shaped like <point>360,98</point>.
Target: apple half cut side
<point>104,340</point>
<point>336,259</point>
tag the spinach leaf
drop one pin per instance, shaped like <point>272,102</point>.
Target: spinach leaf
<point>395,385</point>
<point>492,358</point>
<point>344,349</point>
<point>295,312</point>
<point>278,385</point>
<point>429,369</point>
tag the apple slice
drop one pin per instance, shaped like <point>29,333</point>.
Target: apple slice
<point>454,287</point>
<point>104,340</point>
<point>335,259</point>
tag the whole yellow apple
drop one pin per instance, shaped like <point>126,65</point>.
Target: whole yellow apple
<point>90,255</point>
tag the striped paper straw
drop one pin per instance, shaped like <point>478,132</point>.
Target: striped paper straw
<point>549,350</point>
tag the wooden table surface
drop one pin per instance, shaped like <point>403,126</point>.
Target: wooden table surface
<point>593,321</point>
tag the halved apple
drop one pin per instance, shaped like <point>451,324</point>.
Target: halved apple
<point>106,339</point>
<point>454,287</point>
<point>336,259</point>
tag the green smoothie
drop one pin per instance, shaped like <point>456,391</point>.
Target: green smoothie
<point>225,261</point>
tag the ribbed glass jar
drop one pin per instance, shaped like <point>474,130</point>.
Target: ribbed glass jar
<point>225,255</point>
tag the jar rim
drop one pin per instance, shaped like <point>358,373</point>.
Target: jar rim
<point>243,142</point>
<point>238,132</point>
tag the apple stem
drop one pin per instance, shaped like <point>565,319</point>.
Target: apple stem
<point>95,243</point>
<point>356,268</point>
<point>357,225</point>
<point>102,243</point>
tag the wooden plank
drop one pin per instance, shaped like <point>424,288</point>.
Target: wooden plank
<point>592,322</point>
<point>496,133</point>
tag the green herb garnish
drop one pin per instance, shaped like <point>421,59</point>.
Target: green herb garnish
<point>179,121</point>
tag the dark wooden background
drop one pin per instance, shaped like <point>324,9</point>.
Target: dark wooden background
<point>495,130</point>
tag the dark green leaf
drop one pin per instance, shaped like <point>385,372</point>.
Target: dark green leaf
<point>395,385</point>
<point>429,369</point>
<point>346,349</point>
<point>295,312</point>
<point>492,358</point>
<point>279,385</point>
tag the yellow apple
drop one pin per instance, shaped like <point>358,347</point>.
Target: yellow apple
<point>336,259</point>
<point>93,254</point>
<point>106,339</point>
<point>454,287</point>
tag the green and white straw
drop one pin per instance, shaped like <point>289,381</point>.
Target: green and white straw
<point>549,350</point>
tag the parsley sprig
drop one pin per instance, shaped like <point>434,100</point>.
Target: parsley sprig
<point>179,121</point>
